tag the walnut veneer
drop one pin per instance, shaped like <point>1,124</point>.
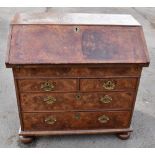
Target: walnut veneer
<point>75,78</point>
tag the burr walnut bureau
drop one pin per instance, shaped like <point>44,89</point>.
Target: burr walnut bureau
<point>76,73</point>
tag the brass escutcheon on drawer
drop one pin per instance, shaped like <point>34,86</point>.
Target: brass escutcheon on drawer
<point>50,120</point>
<point>47,86</point>
<point>103,119</point>
<point>109,84</point>
<point>77,116</point>
<point>106,99</point>
<point>49,99</point>
<point>76,29</point>
<point>78,96</point>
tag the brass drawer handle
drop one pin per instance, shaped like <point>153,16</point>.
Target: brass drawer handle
<point>106,99</point>
<point>49,99</point>
<point>109,85</point>
<point>103,119</point>
<point>50,120</point>
<point>47,86</point>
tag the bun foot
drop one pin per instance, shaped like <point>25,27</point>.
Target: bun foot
<point>25,139</point>
<point>124,135</point>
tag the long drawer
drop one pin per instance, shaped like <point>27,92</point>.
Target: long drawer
<point>75,120</point>
<point>77,71</point>
<point>76,101</point>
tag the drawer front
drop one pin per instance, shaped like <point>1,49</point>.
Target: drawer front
<point>108,84</point>
<point>48,85</point>
<point>75,120</point>
<point>77,71</point>
<point>74,101</point>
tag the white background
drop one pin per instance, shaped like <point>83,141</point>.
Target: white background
<point>77,3</point>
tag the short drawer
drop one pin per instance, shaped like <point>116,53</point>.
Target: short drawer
<point>108,84</point>
<point>74,101</point>
<point>75,120</point>
<point>47,85</point>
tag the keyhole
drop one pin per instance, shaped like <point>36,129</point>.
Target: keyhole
<point>76,29</point>
<point>78,96</point>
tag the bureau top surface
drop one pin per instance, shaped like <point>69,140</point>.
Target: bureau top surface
<point>75,18</point>
<point>39,39</point>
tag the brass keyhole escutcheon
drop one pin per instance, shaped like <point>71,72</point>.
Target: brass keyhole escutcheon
<point>103,119</point>
<point>77,116</point>
<point>78,96</point>
<point>106,99</point>
<point>109,85</point>
<point>76,29</point>
<point>50,120</point>
<point>49,100</point>
<point>47,86</point>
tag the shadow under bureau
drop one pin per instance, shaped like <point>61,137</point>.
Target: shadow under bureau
<point>75,73</point>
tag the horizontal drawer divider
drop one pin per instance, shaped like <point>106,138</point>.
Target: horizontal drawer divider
<point>133,90</point>
<point>94,110</point>
<point>110,91</point>
<point>105,77</point>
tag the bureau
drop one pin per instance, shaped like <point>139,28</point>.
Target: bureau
<point>75,73</point>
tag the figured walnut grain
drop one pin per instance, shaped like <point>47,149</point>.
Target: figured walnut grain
<point>69,121</point>
<point>69,101</point>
